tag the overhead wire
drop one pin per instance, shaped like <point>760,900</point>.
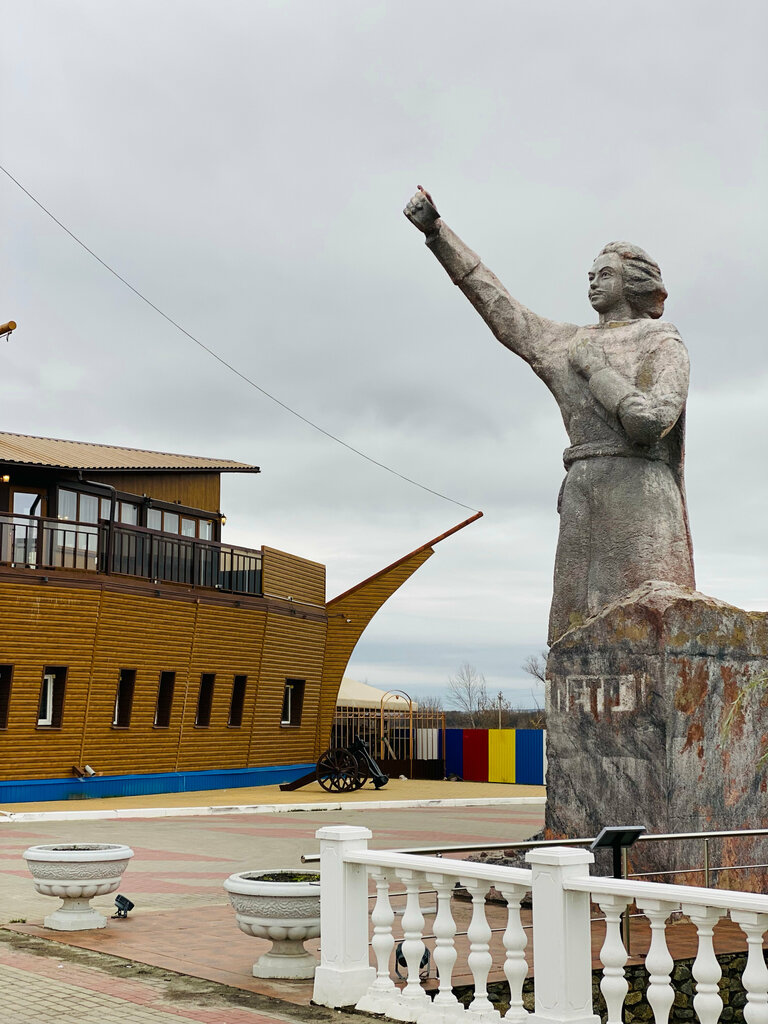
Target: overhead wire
<point>215,355</point>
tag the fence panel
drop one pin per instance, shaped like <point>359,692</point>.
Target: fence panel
<point>475,754</point>
<point>454,752</point>
<point>501,755</point>
<point>529,757</point>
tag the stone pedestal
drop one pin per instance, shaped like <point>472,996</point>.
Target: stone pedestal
<point>651,720</point>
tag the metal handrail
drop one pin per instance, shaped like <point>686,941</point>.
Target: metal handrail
<point>124,549</point>
<point>530,844</point>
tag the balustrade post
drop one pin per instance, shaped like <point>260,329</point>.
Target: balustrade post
<point>413,1000</point>
<point>562,950</point>
<point>479,960</point>
<point>446,1008</point>
<point>383,993</point>
<point>658,962</point>
<point>343,974</point>
<point>613,957</point>
<point>755,976</point>
<point>706,969</point>
<point>515,941</point>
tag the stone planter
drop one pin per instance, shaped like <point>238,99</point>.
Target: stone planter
<point>269,905</point>
<point>76,872</point>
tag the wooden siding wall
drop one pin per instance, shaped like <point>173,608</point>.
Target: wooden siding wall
<point>348,615</point>
<point>287,576</point>
<point>196,490</point>
<point>39,629</point>
<point>95,631</point>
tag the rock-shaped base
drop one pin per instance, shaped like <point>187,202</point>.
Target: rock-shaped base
<point>656,716</point>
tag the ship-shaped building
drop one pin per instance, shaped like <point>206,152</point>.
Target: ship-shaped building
<point>139,653</point>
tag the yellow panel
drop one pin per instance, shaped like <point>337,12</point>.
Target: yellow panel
<point>501,755</point>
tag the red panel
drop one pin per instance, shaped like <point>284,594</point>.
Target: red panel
<point>475,755</point>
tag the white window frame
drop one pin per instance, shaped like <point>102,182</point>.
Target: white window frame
<point>46,696</point>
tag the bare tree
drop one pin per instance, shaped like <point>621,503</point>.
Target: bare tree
<point>467,692</point>
<point>432,703</point>
<point>536,666</point>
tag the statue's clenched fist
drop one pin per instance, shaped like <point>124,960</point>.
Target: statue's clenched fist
<point>420,210</point>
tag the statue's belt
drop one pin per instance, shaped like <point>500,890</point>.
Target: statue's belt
<point>601,450</point>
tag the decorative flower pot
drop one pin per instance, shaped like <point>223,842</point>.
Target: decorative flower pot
<point>283,906</point>
<point>76,872</point>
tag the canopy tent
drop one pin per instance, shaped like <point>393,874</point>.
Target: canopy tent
<point>353,694</point>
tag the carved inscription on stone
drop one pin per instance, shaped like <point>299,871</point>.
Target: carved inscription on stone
<point>600,695</point>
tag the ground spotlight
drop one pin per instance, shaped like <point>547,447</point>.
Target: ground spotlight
<point>123,905</point>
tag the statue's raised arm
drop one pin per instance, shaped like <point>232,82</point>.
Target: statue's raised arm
<point>524,332</point>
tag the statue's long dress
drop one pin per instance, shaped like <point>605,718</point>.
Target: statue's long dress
<point>623,517</point>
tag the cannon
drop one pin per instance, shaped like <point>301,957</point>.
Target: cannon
<point>343,770</point>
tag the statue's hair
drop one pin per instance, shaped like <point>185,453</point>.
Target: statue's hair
<point>643,285</point>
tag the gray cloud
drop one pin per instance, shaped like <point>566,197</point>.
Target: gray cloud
<point>246,165</point>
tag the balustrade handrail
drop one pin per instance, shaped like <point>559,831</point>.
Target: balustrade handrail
<point>439,865</point>
<point>725,899</point>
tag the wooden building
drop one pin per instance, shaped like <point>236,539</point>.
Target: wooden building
<point>134,645</point>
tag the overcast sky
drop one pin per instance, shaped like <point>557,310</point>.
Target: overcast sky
<point>245,164</point>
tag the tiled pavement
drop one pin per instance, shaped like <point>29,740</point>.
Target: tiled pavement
<point>183,925</point>
<point>182,922</point>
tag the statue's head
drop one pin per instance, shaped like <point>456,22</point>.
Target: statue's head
<point>642,286</point>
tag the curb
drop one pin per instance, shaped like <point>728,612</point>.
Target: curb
<point>196,812</point>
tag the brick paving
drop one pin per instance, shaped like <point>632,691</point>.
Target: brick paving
<point>183,925</point>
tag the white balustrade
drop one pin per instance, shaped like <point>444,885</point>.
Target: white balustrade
<point>562,893</point>
<point>479,960</point>
<point>755,976</point>
<point>658,962</point>
<point>446,1008</point>
<point>613,956</point>
<point>413,999</point>
<point>515,941</point>
<point>706,969</point>
<point>383,993</point>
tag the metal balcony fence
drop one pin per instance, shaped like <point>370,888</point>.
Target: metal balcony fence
<point>117,549</point>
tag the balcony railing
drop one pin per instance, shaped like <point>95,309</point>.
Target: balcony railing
<point>115,548</point>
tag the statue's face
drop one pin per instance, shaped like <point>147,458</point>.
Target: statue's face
<point>606,284</point>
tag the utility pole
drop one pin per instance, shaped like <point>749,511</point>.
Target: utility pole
<point>7,329</point>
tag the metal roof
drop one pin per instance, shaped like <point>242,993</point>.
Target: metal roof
<point>24,450</point>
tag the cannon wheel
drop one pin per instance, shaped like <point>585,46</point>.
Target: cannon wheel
<point>339,771</point>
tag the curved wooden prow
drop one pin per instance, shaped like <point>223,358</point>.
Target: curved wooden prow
<point>349,614</point>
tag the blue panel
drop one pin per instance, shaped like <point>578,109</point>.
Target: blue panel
<point>454,752</point>
<point>529,757</point>
<point>23,791</point>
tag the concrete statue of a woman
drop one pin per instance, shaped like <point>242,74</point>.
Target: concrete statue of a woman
<point>621,386</point>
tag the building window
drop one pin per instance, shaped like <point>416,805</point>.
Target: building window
<point>293,700</point>
<point>205,700</point>
<point>77,506</point>
<point>127,513</point>
<point>6,674</point>
<point>50,711</point>
<point>124,698</point>
<point>238,701</point>
<point>164,699</point>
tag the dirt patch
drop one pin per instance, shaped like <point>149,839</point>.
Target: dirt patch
<point>178,989</point>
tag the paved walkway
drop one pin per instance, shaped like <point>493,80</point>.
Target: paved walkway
<point>47,983</point>
<point>270,799</point>
<point>182,928</point>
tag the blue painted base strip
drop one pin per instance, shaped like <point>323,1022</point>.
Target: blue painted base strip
<point>24,790</point>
